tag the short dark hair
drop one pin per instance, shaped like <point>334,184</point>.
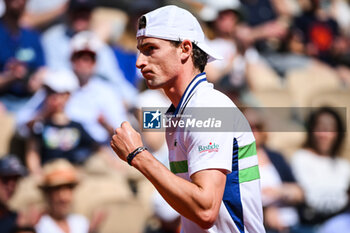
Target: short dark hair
<point>81,53</point>
<point>142,22</point>
<point>199,57</point>
<point>311,125</point>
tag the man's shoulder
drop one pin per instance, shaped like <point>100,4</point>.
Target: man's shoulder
<point>210,97</point>
<point>77,218</point>
<point>99,83</point>
<point>337,224</point>
<point>2,27</point>
<point>55,32</point>
<point>25,31</point>
<point>103,88</point>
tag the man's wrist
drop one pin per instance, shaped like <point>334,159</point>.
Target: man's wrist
<point>133,154</point>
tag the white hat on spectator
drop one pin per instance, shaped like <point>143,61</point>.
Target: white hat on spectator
<point>176,24</point>
<point>61,81</point>
<point>85,41</point>
<point>212,8</point>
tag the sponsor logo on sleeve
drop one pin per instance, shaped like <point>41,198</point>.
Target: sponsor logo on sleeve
<point>211,147</point>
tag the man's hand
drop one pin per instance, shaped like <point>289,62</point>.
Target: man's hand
<point>16,69</point>
<point>125,140</point>
<point>104,123</point>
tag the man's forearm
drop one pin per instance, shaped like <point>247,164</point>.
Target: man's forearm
<point>5,79</point>
<point>189,199</point>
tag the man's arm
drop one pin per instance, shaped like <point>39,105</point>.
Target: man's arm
<point>33,157</point>
<point>198,200</point>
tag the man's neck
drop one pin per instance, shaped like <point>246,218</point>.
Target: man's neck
<point>12,23</point>
<point>178,88</point>
<point>3,210</point>
<point>84,80</point>
<point>61,222</point>
<point>60,118</point>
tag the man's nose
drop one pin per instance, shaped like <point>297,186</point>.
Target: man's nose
<point>141,61</point>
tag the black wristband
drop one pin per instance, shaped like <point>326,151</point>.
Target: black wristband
<point>132,155</point>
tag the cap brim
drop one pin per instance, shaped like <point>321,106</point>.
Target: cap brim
<point>19,172</point>
<point>58,184</point>
<point>213,55</point>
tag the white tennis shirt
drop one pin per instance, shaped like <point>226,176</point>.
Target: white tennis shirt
<point>233,152</point>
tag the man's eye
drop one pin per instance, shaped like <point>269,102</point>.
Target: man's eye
<point>149,49</point>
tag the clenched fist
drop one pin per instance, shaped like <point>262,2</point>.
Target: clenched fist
<point>125,140</point>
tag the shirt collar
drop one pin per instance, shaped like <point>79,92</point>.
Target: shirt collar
<point>191,88</point>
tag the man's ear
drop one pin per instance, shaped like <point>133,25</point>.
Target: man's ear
<point>186,49</point>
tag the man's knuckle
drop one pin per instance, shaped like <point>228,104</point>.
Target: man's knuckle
<point>118,131</point>
<point>124,124</point>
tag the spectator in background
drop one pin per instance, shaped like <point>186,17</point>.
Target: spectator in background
<point>230,73</point>
<point>319,170</point>
<point>10,172</point>
<point>168,218</point>
<point>56,42</point>
<point>267,22</point>
<point>125,49</point>
<point>339,223</point>
<point>318,31</point>
<point>155,141</point>
<point>280,192</point>
<point>54,134</point>
<point>313,37</point>
<point>21,57</point>
<point>60,179</point>
<point>41,14</point>
<point>95,104</point>
<point>340,10</point>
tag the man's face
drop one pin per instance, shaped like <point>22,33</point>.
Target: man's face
<point>80,20</point>
<point>325,133</point>
<point>226,22</point>
<point>55,102</point>
<point>15,7</point>
<point>60,200</point>
<point>7,188</point>
<point>159,61</point>
<point>83,65</point>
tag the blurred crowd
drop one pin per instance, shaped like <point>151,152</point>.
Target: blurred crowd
<point>68,79</point>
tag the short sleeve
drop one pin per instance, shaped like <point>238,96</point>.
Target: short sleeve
<point>209,150</point>
<point>113,109</point>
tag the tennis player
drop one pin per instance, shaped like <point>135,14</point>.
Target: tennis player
<point>214,177</point>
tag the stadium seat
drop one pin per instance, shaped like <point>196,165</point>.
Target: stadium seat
<point>285,134</point>
<point>273,98</point>
<point>27,194</point>
<point>123,217</point>
<point>96,190</point>
<point>305,83</point>
<point>260,77</point>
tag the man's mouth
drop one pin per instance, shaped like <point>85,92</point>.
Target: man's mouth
<point>147,74</point>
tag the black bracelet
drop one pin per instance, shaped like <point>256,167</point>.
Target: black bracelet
<point>132,155</point>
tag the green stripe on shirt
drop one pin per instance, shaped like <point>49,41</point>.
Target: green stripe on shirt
<point>179,166</point>
<point>247,151</point>
<point>249,174</point>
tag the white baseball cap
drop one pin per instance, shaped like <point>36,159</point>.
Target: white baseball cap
<point>176,24</point>
<point>61,81</point>
<point>212,8</point>
<point>85,41</point>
